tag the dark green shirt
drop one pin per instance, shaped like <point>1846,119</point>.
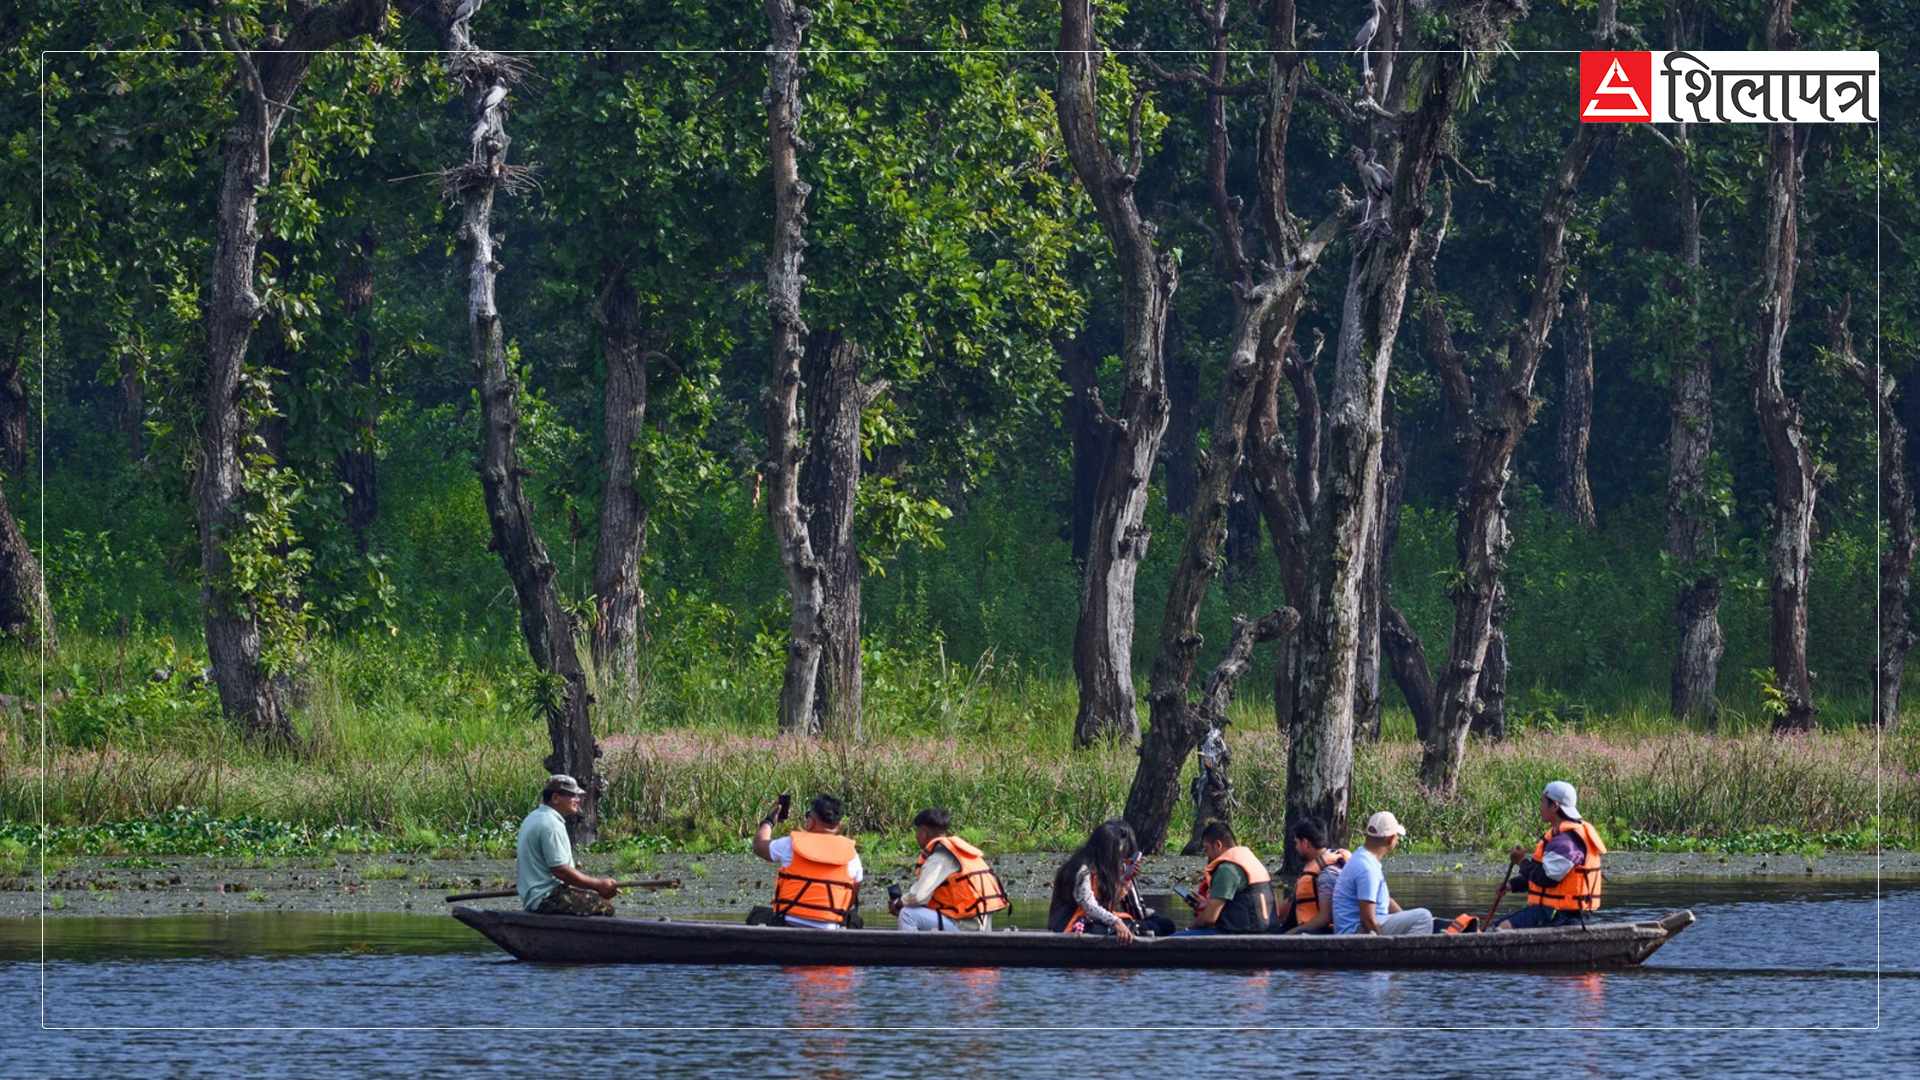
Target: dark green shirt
<point>1228,880</point>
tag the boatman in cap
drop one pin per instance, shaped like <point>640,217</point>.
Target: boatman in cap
<point>1562,878</point>
<point>1361,904</point>
<point>548,882</point>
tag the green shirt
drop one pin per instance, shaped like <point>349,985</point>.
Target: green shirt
<point>1228,880</point>
<point>543,845</point>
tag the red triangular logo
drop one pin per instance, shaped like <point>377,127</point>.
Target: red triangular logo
<point>1616,87</point>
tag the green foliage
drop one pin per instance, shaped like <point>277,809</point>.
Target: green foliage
<point>166,702</point>
<point>266,563</point>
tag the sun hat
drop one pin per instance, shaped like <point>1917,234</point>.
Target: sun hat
<point>1561,794</point>
<point>1384,824</point>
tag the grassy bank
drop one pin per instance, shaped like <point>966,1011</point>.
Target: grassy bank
<point>692,771</point>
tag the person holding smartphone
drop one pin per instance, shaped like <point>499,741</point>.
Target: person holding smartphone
<point>1236,890</point>
<point>955,889</point>
<point>1093,892</point>
<point>818,885</point>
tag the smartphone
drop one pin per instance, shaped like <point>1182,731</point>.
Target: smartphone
<point>1192,900</point>
<point>893,892</point>
<point>786,806</point>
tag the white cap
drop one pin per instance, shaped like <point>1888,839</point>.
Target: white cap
<point>1561,794</point>
<point>1384,824</point>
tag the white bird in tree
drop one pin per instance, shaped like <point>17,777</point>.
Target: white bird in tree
<point>1362,40</point>
<point>494,97</point>
<point>466,11</point>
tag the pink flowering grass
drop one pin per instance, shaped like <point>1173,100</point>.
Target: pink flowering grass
<point>695,771</point>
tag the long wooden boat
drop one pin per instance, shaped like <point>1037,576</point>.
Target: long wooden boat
<point>573,939</point>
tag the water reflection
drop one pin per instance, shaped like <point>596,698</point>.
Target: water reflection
<point>1766,954</point>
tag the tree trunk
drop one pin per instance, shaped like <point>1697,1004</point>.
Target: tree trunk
<point>1172,736</point>
<point>1320,751</point>
<point>1212,785</point>
<point>1576,414</point>
<point>1490,703</point>
<point>270,79</point>
<point>25,617</point>
<point>359,465</point>
<point>1897,503</point>
<point>1373,587</point>
<point>829,484</point>
<point>1181,447</point>
<point>1282,482</point>
<point>483,79</point>
<point>1699,643</point>
<point>1488,439</point>
<point>1366,663</point>
<point>1080,369</point>
<point>1263,317</point>
<point>1407,656</point>
<point>1787,448</point>
<point>805,571</point>
<point>1117,540</point>
<point>16,414</point>
<point>617,588</point>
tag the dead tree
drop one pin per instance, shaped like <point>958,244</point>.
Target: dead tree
<point>1265,307</point>
<point>1488,433</point>
<point>1699,642</point>
<point>801,557</point>
<point>1897,503</point>
<point>1787,448</point>
<point>1407,145</point>
<point>1285,474</point>
<point>1118,535</point>
<point>485,81</point>
<point>270,74</point>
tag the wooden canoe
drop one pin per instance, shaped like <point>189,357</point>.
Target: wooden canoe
<point>572,939</point>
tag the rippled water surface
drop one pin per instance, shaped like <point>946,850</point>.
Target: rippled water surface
<point>1834,959</point>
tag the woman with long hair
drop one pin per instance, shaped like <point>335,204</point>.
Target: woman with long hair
<point>1093,892</point>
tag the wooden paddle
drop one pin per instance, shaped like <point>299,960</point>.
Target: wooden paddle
<point>1499,893</point>
<point>663,883</point>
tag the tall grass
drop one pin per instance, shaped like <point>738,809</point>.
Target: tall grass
<point>408,737</point>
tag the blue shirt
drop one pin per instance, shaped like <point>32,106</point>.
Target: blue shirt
<point>542,846</point>
<point>1362,879</point>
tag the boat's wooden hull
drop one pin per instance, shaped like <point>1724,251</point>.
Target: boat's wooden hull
<point>579,940</point>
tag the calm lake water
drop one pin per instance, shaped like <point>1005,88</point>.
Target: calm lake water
<point>322,995</point>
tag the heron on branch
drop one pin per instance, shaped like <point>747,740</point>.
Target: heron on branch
<point>1363,40</point>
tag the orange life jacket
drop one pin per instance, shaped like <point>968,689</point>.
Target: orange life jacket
<point>817,884</point>
<point>1306,888</point>
<point>1580,889</point>
<point>1080,913</point>
<point>972,890</point>
<point>1250,911</point>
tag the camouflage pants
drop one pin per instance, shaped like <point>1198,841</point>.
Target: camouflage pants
<point>567,900</point>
